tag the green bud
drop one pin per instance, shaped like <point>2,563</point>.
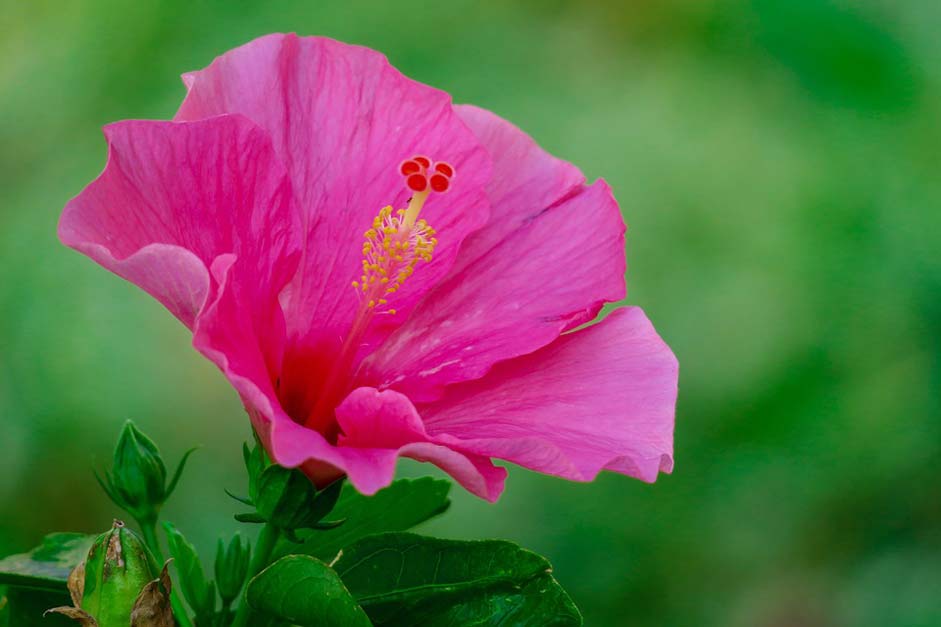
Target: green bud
<point>117,568</point>
<point>139,473</point>
<point>137,482</point>
<point>231,567</point>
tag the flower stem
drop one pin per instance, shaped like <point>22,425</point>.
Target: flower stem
<point>267,540</point>
<point>149,531</point>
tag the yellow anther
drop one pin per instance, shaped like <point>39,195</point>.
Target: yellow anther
<point>394,245</point>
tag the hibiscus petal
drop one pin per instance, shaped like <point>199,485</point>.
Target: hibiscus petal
<point>184,207</point>
<point>379,427</point>
<point>526,180</point>
<point>551,256</point>
<point>599,398</point>
<point>475,473</point>
<point>387,420</point>
<point>342,119</point>
<point>175,196</point>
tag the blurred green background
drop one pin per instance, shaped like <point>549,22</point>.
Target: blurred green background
<point>777,162</point>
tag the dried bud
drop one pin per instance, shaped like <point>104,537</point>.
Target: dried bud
<point>117,568</point>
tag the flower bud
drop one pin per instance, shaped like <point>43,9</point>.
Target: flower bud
<point>137,482</point>
<point>231,567</point>
<point>117,568</point>
<point>139,473</point>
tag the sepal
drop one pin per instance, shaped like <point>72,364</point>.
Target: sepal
<point>285,497</point>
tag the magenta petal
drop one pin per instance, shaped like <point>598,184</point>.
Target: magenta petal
<point>551,256</point>
<point>246,216</point>
<point>379,428</point>
<point>342,119</point>
<point>599,398</point>
<point>239,340</point>
<point>526,180</point>
<point>172,198</point>
<point>199,214</point>
<point>387,421</point>
<point>475,473</point>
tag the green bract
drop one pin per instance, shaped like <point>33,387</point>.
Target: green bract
<point>231,567</point>
<point>399,507</point>
<point>284,497</point>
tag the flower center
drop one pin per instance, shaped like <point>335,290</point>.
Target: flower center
<point>394,245</point>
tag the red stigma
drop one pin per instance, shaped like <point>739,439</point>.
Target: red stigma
<point>421,174</point>
<point>409,166</point>
<point>439,183</point>
<point>445,168</point>
<point>417,182</point>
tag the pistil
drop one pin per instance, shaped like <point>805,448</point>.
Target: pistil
<point>393,247</point>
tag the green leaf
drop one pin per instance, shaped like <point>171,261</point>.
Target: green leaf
<point>199,592</point>
<point>305,591</point>
<point>401,506</point>
<point>25,606</point>
<point>48,565</point>
<point>540,602</point>
<point>403,579</point>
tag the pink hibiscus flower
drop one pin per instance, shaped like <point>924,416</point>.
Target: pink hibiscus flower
<point>368,302</point>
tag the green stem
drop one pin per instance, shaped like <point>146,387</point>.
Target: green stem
<point>267,540</point>
<point>221,615</point>
<point>149,530</point>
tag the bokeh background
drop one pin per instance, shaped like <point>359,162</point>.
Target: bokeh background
<point>777,162</point>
